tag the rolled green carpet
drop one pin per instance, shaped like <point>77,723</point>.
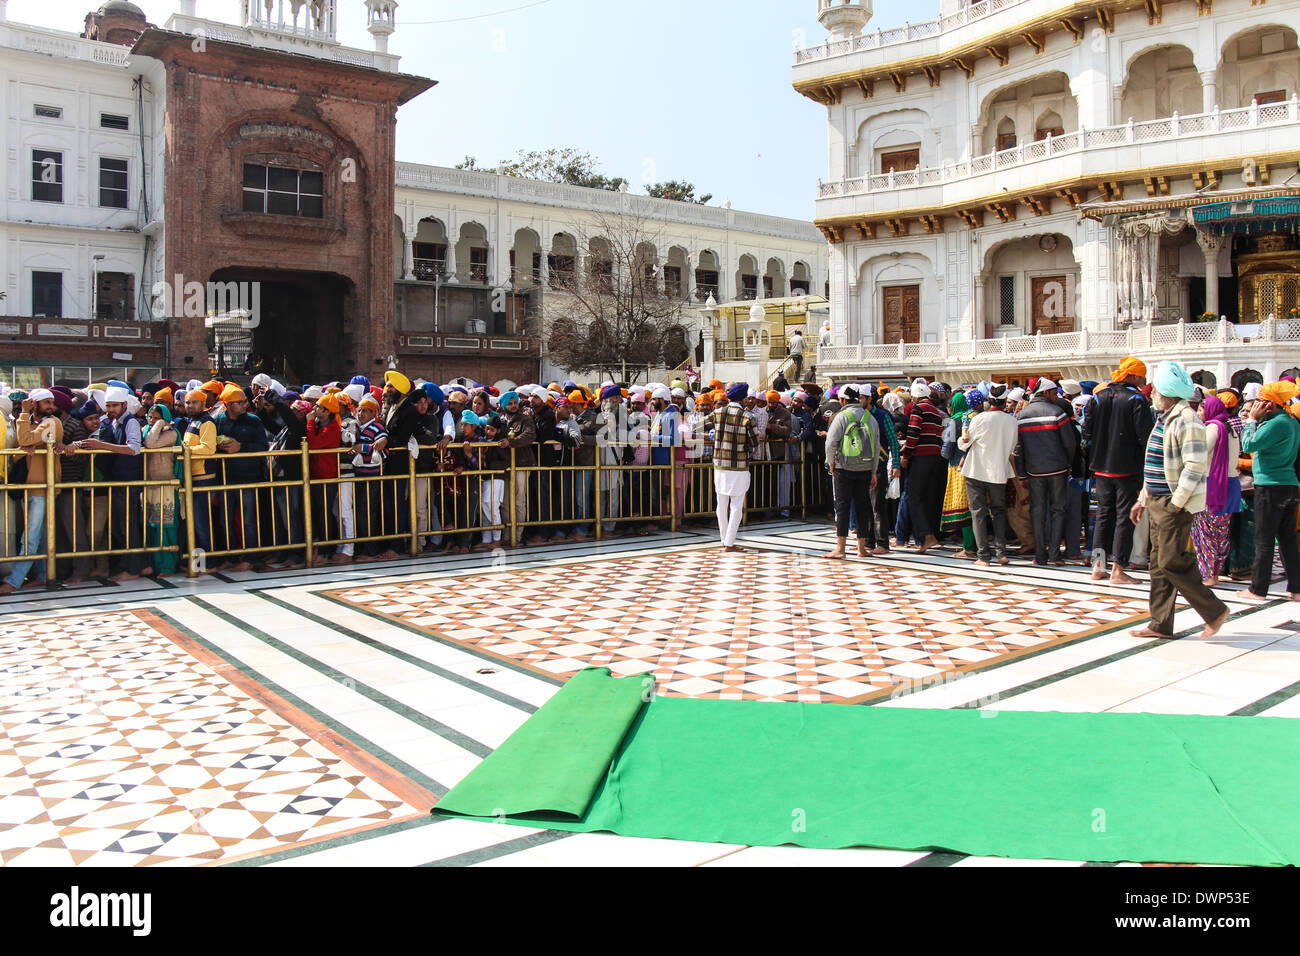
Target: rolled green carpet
<point>1088,787</point>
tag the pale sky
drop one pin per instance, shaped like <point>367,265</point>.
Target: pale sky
<point>677,89</point>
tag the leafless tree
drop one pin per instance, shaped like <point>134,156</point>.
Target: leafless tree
<point>614,313</point>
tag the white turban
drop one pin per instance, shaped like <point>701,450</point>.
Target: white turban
<point>262,380</point>
<point>678,393</point>
<point>114,393</point>
<point>40,394</point>
<point>1045,385</point>
<point>98,395</point>
<point>1251,392</point>
<point>193,385</point>
<point>892,402</point>
<point>355,392</point>
<point>313,393</point>
<point>660,391</point>
<point>1015,395</point>
<point>132,405</point>
<point>919,389</point>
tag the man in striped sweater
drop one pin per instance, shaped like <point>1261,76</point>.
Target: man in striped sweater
<point>1045,452</point>
<point>1173,492</point>
<point>927,472</point>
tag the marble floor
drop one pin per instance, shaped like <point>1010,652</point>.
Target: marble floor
<point>311,718</point>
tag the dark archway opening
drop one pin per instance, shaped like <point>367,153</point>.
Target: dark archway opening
<point>301,332</point>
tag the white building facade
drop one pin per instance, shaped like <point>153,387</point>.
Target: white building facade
<point>993,176</point>
<point>84,195</point>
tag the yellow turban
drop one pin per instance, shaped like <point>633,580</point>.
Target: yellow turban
<point>397,380</point>
<point>198,395</point>
<point>1130,366</point>
<point>1279,393</point>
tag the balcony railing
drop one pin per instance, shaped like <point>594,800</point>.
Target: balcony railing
<point>430,270</point>
<point>1107,138</point>
<point>1175,340</point>
<point>905,33</point>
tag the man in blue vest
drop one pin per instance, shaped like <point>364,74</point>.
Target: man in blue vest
<point>120,434</point>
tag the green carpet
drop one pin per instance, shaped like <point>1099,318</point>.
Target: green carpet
<point>1099,787</point>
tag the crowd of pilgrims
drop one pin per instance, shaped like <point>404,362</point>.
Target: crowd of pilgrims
<point>983,472</point>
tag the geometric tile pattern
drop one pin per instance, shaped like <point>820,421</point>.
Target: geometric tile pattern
<point>755,625</point>
<point>125,744</point>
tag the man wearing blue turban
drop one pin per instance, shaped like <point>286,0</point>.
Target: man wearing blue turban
<point>1173,492</point>
<point>735,439</point>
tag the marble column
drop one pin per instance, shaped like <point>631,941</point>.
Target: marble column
<point>1211,246</point>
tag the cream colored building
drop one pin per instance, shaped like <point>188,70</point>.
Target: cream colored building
<point>1038,185</point>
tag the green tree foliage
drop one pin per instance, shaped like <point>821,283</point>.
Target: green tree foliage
<point>679,190</point>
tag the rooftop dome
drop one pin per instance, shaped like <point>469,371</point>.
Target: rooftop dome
<point>121,6</point>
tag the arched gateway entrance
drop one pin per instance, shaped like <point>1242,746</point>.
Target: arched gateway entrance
<point>301,331</point>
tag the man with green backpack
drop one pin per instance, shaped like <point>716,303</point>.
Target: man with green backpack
<point>852,450</point>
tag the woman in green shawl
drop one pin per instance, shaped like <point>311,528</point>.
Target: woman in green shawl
<point>160,500</point>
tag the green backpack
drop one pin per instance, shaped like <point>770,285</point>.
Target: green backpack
<point>852,445</point>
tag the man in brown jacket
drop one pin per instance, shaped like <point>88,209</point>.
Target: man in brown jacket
<point>39,428</point>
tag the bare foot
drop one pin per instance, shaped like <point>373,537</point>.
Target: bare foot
<point>1210,582</point>
<point>74,581</point>
<point>879,550</point>
<point>337,559</point>
<point>1213,627</point>
<point>8,588</point>
<point>1147,632</point>
<point>1119,577</point>
<point>239,568</point>
<point>1250,597</point>
<point>837,553</point>
<point>1099,574</point>
<point>981,563</point>
<point>1295,597</point>
<point>124,576</point>
<point>1004,560</point>
<point>389,555</point>
<point>963,554</point>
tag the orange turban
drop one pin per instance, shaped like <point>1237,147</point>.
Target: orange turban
<point>1130,366</point>
<point>577,398</point>
<point>198,395</point>
<point>232,393</point>
<point>1229,399</point>
<point>163,397</point>
<point>716,385</point>
<point>1279,393</point>
<point>330,403</point>
<point>214,386</point>
<point>773,395</point>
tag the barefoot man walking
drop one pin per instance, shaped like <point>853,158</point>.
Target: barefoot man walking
<point>1173,491</point>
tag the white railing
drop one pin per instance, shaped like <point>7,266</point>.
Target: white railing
<point>490,184</point>
<point>1149,131</point>
<point>1091,348</point>
<point>61,44</point>
<point>904,34</point>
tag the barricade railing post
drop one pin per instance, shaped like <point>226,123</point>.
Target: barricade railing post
<point>412,504</point>
<point>511,493</point>
<point>803,481</point>
<point>309,547</point>
<point>50,573</point>
<point>672,487</point>
<point>596,496</point>
<point>187,470</point>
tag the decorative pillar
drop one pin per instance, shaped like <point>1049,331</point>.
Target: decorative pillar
<point>977,309</point>
<point>1211,245</point>
<point>408,254</point>
<point>688,280</point>
<point>450,265</point>
<point>709,335</point>
<point>544,270</point>
<point>1209,91</point>
<point>579,270</point>
<point>976,140</point>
